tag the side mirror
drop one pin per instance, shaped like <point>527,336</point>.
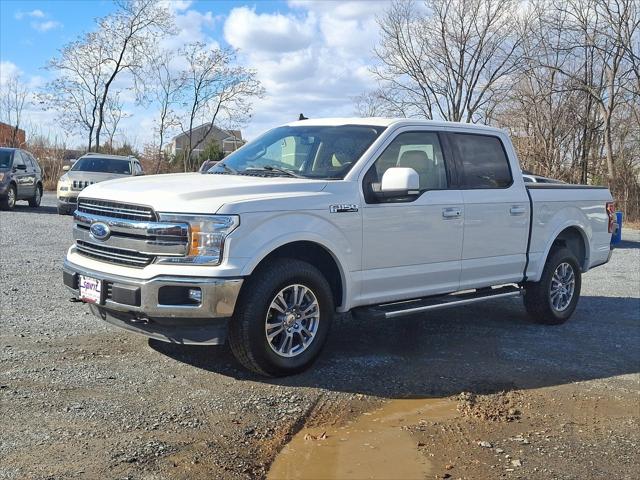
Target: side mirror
<point>65,168</point>
<point>399,182</point>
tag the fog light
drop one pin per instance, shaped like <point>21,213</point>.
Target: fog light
<point>195,294</point>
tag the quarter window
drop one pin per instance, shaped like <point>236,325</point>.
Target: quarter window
<point>484,161</point>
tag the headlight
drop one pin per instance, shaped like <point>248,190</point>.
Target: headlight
<point>207,234</point>
<point>64,184</point>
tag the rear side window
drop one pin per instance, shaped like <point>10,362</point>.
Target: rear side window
<point>34,162</point>
<point>484,161</point>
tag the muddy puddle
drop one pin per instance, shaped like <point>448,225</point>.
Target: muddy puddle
<point>373,446</point>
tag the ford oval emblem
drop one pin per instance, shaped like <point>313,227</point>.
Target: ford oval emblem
<point>100,231</point>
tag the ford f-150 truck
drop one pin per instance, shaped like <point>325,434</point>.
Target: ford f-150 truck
<point>378,217</point>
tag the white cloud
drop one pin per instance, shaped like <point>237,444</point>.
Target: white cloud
<point>192,26</point>
<point>311,60</point>
<point>8,70</point>
<point>37,13</point>
<point>46,25</point>
<point>273,32</point>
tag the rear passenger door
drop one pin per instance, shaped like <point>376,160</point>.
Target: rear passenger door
<point>496,224</point>
<point>411,245</point>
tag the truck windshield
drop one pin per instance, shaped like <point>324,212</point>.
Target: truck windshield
<point>314,151</point>
<point>106,165</point>
<point>5,158</point>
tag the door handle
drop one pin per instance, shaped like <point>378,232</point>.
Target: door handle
<point>451,212</point>
<point>517,210</point>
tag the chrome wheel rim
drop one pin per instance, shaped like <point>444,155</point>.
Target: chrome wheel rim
<point>563,284</point>
<point>11,198</point>
<point>292,320</point>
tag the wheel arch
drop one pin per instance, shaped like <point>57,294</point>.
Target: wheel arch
<point>317,255</point>
<point>574,238</point>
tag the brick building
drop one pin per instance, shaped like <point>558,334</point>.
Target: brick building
<point>6,136</point>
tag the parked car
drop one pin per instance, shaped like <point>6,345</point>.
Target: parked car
<point>531,178</point>
<point>206,165</point>
<point>89,169</point>
<point>382,218</point>
<point>20,178</point>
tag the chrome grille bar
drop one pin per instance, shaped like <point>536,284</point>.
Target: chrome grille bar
<point>116,209</point>
<point>113,255</point>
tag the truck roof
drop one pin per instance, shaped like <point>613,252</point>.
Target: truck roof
<point>387,122</point>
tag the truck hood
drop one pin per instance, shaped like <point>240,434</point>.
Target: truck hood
<point>197,192</point>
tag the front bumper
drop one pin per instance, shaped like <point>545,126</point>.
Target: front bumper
<point>156,308</point>
<point>68,201</point>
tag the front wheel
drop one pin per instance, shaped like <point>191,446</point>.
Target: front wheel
<point>554,298</point>
<point>282,318</point>
<point>9,202</point>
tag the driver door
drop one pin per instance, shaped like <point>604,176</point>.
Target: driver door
<point>21,175</point>
<point>412,245</point>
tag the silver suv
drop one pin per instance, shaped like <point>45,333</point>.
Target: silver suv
<point>89,169</point>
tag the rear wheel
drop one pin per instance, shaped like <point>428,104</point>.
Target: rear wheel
<point>9,202</point>
<point>37,197</point>
<point>554,298</point>
<point>282,318</point>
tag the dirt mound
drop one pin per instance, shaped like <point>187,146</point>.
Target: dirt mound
<point>499,407</point>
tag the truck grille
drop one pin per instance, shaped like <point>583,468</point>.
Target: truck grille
<point>107,208</point>
<point>113,255</point>
<point>136,237</point>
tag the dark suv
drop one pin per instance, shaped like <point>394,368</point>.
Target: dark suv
<point>20,178</point>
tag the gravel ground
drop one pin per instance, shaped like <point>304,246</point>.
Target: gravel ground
<point>81,399</point>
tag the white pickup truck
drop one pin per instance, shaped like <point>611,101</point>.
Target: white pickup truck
<point>380,217</point>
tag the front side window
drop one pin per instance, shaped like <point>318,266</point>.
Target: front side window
<point>105,165</point>
<point>17,159</point>
<point>484,161</point>
<point>314,151</point>
<point>418,150</point>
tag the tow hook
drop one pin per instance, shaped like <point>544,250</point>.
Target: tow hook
<point>141,319</point>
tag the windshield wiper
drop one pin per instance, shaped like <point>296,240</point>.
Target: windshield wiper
<point>226,167</point>
<point>271,168</point>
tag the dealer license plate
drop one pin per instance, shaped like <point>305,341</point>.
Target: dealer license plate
<point>90,289</point>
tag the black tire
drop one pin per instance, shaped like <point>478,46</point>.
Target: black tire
<point>9,202</point>
<point>247,336</point>
<point>62,210</point>
<point>537,297</point>
<point>37,198</point>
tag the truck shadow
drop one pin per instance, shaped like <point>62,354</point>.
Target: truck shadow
<point>484,348</point>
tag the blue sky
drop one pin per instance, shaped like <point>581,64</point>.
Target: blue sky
<point>311,56</point>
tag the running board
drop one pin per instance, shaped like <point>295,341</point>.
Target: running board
<point>409,307</point>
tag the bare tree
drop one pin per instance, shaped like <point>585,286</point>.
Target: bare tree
<point>595,27</point>
<point>113,115</point>
<point>75,93</point>
<point>216,89</point>
<point>371,104</point>
<point>448,58</point>
<point>13,96</point>
<point>168,86</point>
<point>128,35</point>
